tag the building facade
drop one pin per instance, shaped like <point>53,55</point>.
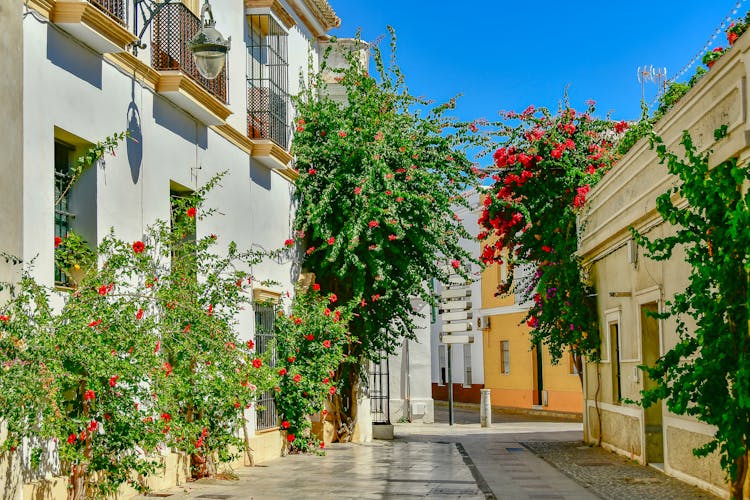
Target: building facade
<point>89,68</point>
<point>630,286</point>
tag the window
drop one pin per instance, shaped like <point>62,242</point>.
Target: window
<point>467,365</point>
<point>265,405</point>
<point>443,375</point>
<point>63,215</point>
<point>183,250</point>
<point>267,80</point>
<point>505,357</point>
<point>614,329</point>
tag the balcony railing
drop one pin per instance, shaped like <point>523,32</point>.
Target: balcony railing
<point>113,8</point>
<point>174,25</point>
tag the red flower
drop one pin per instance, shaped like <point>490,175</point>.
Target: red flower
<point>332,390</point>
<point>325,381</point>
<point>139,314</point>
<point>456,264</point>
<point>399,199</point>
<point>326,343</point>
<point>297,378</point>
<point>311,171</point>
<point>316,287</point>
<point>297,321</point>
<point>546,248</point>
<point>621,127</point>
<point>331,240</point>
<point>230,346</point>
<point>257,363</point>
<point>95,323</point>
<point>342,133</point>
<point>310,250</point>
<point>333,298</point>
<point>556,153</point>
<point>291,359</point>
<point>93,425</point>
<point>375,297</point>
<point>199,442</point>
<point>167,368</point>
<point>392,237</point>
<point>532,322</point>
<point>324,412</point>
<point>236,404</point>
<point>89,395</point>
<point>166,417</point>
<point>290,438</point>
<point>186,329</point>
<point>72,438</point>
<point>113,380</point>
<point>157,347</point>
<point>191,212</point>
<point>210,310</point>
<point>357,190</point>
<point>285,424</point>
<point>363,303</point>
<point>289,242</point>
<point>373,223</point>
<point>327,312</point>
<point>322,444</point>
<point>309,336</point>
<point>4,318</point>
<point>282,372</point>
<point>58,240</point>
<point>250,344</point>
<point>379,136</point>
<point>138,247</point>
<point>103,290</point>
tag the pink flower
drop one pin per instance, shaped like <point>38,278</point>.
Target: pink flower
<point>357,190</point>
<point>310,250</point>
<point>326,343</point>
<point>392,237</point>
<point>333,298</point>
<point>138,247</point>
<point>342,133</point>
<point>379,136</point>
<point>373,223</point>
<point>191,212</point>
<point>331,240</point>
<point>375,297</point>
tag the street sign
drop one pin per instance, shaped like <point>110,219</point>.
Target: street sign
<point>461,326</point>
<point>455,293</point>
<point>462,305</point>
<point>457,316</point>
<point>456,339</point>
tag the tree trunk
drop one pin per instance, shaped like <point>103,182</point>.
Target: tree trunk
<point>737,486</point>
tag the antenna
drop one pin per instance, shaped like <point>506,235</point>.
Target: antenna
<point>651,74</point>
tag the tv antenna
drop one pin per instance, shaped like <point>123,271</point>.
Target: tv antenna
<point>651,74</point>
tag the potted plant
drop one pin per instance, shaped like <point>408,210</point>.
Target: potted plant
<point>734,31</point>
<point>73,256</point>
<point>710,58</point>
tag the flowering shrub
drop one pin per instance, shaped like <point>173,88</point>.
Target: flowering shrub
<point>310,347</point>
<point>73,255</point>
<point>544,173</point>
<point>143,354</point>
<point>710,58</point>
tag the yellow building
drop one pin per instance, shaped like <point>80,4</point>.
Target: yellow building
<point>519,375</point>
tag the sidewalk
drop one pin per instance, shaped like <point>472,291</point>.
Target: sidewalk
<point>518,458</point>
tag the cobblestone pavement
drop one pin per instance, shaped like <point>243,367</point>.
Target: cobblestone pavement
<point>612,476</point>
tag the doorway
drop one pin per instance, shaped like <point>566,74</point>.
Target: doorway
<point>651,353</point>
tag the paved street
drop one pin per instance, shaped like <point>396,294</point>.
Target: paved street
<point>463,461</point>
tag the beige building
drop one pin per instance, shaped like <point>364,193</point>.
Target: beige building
<point>629,284</point>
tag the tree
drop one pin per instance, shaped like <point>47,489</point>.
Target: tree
<point>543,174</point>
<point>380,177</point>
<point>707,373</point>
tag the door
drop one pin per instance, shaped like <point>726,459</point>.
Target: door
<point>652,414</point>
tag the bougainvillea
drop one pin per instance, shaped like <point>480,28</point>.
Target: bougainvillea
<point>543,174</point>
<point>310,344</point>
<point>380,177</point>
<point>142,355</point>
<point>707,373</point>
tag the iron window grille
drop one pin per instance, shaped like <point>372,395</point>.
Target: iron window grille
<point>380,390</point>
<point>63,215</point>
<point>265,415</point>
<point>267,81</point>
<point>173,26</point>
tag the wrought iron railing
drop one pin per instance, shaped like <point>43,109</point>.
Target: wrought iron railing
<point>267,81</point>
<point>173,26</point>
<point>113,8</point>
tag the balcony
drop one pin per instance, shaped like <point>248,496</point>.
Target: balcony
<point>113,8</point>
<point>173,26</point>
<point>100,24</point>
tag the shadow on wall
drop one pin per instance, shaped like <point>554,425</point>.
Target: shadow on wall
<point>135,144</point>
<point>174,119</point>
<point>74,58</point>
<point>260,175</point>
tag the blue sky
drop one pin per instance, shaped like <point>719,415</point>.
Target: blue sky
<point>505,55</point>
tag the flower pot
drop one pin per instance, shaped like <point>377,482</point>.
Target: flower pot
<point>732,37</point>
<point>710,64</point>
<point>75,275</point>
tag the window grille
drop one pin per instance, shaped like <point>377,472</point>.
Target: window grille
<point>63,215</point>
<point>505,357</point>
<point>113,8</point>
<point>265,315</point>
<point>467,365</point>
<point>267,81</point>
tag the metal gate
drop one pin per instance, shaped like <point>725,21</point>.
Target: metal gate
<point>380,393</point>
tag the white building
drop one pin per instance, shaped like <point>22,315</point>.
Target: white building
<point>83,76</point>
<point>467,360</point>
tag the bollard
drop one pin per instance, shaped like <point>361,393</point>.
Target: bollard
<point>485,409</point>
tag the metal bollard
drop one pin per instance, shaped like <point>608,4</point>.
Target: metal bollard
<point>485,409</point>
